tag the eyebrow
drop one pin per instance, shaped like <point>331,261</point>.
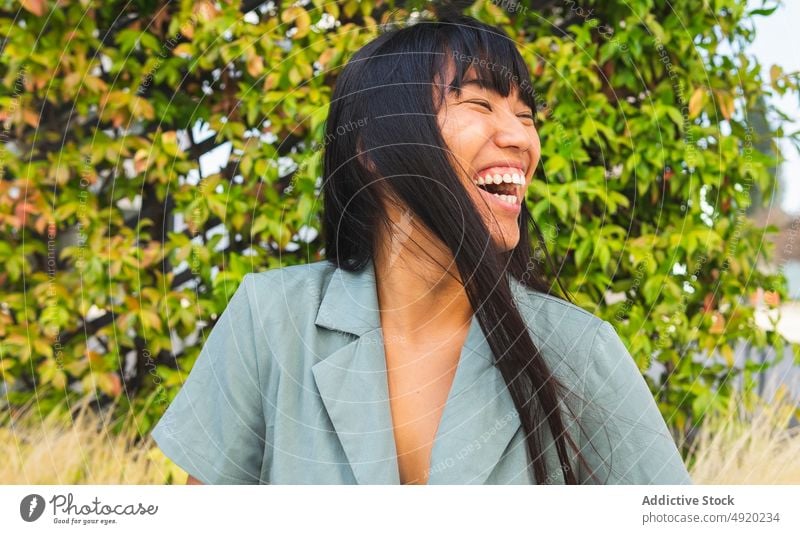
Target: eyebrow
<point>483,84</point>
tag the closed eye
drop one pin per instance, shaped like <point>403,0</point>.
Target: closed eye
<point>488,106</point>
<point>483,103</point>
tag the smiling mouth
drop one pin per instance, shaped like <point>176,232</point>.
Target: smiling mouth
<point>501,189</point>
<point>505,186</point>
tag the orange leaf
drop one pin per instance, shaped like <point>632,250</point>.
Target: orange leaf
<point>206,10</point>
<point>725,101</point>
<point>270,81</point>
<point>109,383</point>
<point>696,102</point>
<point>30,117</point>
<point>325,57</point>
<point>187,29</point>
<point>40,224</point>
<point>708,302</point>
<point>718,323</point>
<point>772,298</point>
<point>95,358</point>
<point>34,6</point>
<point>140,160</point>
<point>255,65</point>
<point>143,108</point>
<point>183,49</point>
<point>21,210</point>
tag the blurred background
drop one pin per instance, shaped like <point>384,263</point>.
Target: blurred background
<point>153,153</point>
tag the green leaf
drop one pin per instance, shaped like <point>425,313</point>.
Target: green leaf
<point>260,224</point>
<point>763,12</point>
<point>582,252</point>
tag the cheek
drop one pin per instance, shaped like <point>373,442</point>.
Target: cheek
<point>464,135</point>
<point>536,143</point>
<point>536,153</point>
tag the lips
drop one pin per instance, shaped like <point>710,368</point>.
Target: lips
<point>501,183</point>
<point>501,202</point>
<point>501,186</point>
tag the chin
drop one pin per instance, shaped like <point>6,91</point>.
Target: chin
<point>509,243</point>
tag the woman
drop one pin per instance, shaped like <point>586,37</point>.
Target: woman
<point>426,348</point>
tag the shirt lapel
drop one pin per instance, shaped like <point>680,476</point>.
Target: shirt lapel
<point>479,418</point>
<point>352,380</point>
<point>478,421</point>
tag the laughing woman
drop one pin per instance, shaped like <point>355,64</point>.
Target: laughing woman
<point>427,347</point>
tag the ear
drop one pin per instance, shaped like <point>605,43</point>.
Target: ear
<point>364,158</point>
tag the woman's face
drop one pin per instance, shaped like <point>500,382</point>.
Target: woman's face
<point>495,140</point>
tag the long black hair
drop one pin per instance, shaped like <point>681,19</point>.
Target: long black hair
<point>384,139</point>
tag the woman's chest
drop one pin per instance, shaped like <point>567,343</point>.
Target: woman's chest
<point>419,381</point>
<point>335,419</point>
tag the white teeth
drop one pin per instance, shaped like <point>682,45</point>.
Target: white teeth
<point>509,199</point>
<point>508,178</point>
<point>496,178</point>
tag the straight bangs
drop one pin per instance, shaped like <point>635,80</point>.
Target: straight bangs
<point>491,56</point>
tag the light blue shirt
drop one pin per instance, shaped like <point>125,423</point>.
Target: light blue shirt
<point>290,387</point>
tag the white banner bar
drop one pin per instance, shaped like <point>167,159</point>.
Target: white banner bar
<point>401,509</point>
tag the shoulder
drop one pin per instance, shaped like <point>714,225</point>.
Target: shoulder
<point>563,310</point>
<point>293,276</point>
<point>589,346</point>
<point>288,292</point>
<point>569,334</point>
<point>555,321</point>
<point>283,304</point>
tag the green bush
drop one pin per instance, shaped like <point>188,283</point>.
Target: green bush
<point>650,159</point>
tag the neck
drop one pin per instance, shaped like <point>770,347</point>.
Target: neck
<point>420,292</point>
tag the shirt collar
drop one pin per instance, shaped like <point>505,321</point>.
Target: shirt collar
<point>477,423</point>
<point>350,303</point>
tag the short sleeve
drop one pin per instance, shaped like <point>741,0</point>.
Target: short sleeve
<point>628,441</point>
<point>214,429</point>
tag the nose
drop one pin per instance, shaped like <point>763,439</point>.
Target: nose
<point>512,131</point>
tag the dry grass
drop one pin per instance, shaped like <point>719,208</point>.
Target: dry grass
<point>754,446</point>
<point>39,450</point>
<point>745,447</point>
